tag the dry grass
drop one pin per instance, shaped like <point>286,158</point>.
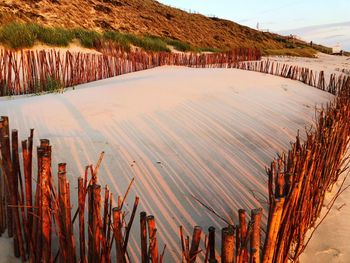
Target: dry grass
<point>146,17</point>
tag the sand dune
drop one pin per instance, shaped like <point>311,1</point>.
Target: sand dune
<point>178,131</point>
<point>327,63</point>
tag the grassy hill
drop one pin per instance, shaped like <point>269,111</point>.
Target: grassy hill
<point>151,18</point>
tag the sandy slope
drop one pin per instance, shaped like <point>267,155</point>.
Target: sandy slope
<point>178,131</point>
<point>330,242</point>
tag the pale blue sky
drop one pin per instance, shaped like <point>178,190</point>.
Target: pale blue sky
<point>275,15</point>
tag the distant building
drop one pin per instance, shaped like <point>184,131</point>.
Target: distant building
<point>336,50</point>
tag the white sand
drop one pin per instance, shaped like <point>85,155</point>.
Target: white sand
<point>330,242</point>
<point>328,63</point>
<point>178,131</point>
<point>7,252</point>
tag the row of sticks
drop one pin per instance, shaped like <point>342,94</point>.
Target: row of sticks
<point>335,85</point>
<point>32,221</point>
<point>185,59</point>
<point>298,181</point>
<point>28,72</point>
<point>297,185</point>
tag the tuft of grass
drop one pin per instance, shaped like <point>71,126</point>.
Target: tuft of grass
<point>117,37</point>
<point>53,85</point>
<point>87,38</point>
<point>16,36</point>
<point>52,36</point>
<point>208,49</point>
<point>295,52</point>
<point>153,44</point>
<point>148,43</point>
<point>178,45</point>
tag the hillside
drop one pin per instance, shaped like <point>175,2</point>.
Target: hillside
<point>143,17</point>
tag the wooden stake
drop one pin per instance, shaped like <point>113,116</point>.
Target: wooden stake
<point>228,245</point>
<point>143,233</point>
<point>153,242</point>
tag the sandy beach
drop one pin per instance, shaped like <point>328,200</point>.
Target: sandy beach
<point>179,132</point>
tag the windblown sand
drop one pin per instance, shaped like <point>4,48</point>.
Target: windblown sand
<point>179,132</point>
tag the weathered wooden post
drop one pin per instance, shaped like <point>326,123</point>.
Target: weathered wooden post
<point>272,231</point>
<point>143,233</point>
<point>196,238</point>
<point>153,243</point>
<point>228,245</point>
<point>118,236</point>
<point>212,257</point>
<point>256,236</point>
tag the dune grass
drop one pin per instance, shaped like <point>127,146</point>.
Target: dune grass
<point>178,45</point>
<point>87,38</point>
<point>51,36</point>
<point>295,52</point>
<point>18,35</point>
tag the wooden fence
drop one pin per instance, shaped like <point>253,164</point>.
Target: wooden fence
<point>335,85</point>
<point>298,181</point>
<point>27,72</point>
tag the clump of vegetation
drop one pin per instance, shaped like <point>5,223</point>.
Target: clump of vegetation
<point>178,45</point>
<point>53,85</point>
<point>117,37</point>
<point>208,49</point>
<point>153,44</point>
<point>148,43</point>
<point>52,36</point>
<point>295,52</point>
<point>87,38</point>
<point>16,36</point>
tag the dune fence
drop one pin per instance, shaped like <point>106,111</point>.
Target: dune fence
<point>35,214</point>
<point>28,72</point>
<point>336,84</point>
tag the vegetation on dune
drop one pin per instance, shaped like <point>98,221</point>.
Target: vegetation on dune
<point>18,35</point>
<point>208,49</point>
<point>51,36</point>
<point>117,37</point>
<point>131,22</point>
<point>87,38</point>
<point>178,45</point>
<point>295,52</point>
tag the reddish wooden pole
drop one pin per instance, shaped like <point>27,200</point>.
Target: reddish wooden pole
<point>196,238</point>
<point>228,245</point>
<point>143,233</point>
<point>118,237</point>
<point>256,236</point>
<point>212,257</point>
<point>153,242</point>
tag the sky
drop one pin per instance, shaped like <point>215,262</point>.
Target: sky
<point>275,15</point>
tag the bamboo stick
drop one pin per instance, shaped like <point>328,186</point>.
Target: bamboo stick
<point>118,234</point>
<point>196,238</point>
<point>211,240</point>
<point>272,232</point>
<point>256,236</point>
<point>228,245</point>
<point>81,198</point>
<point>143,233</point>
<point>153,242</point>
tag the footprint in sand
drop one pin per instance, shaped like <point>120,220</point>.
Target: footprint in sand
<point>335,253</point>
